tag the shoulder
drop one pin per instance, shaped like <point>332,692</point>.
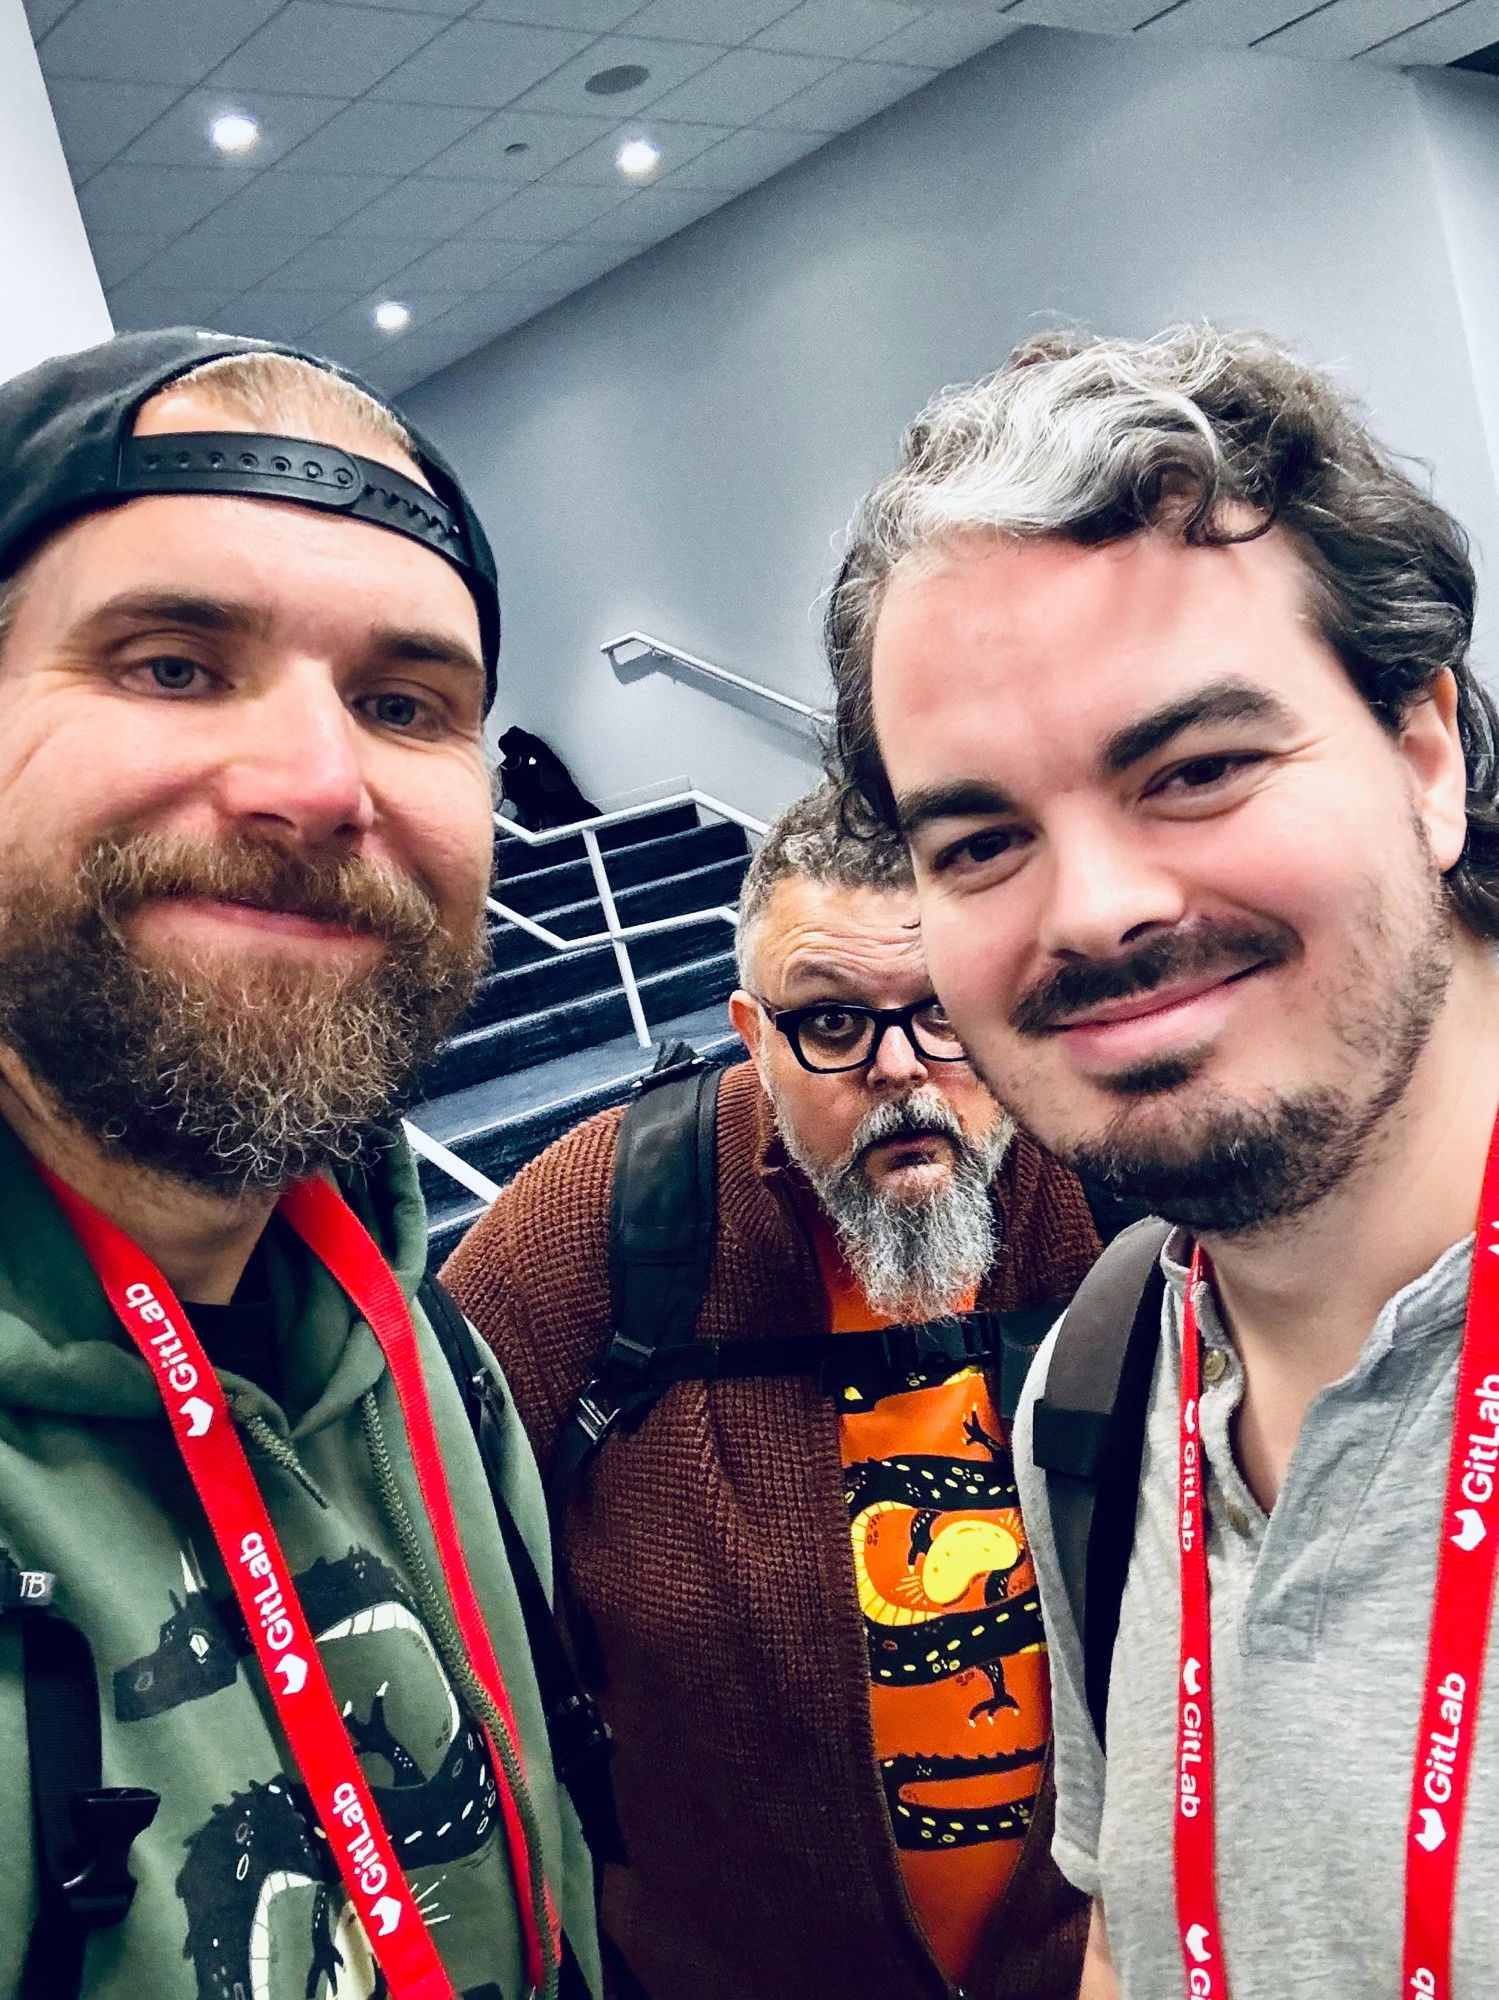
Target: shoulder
<point>560,1197</point>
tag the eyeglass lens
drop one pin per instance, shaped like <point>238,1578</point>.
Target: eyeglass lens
<point>842,1037</point>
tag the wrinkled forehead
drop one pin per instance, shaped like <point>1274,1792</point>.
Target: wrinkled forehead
<point>822,937</point>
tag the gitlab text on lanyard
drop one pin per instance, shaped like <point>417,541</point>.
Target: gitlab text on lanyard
<point>1455,1659</point>
<point>305,1706</point>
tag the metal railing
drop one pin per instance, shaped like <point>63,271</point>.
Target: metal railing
<point>814,718</point>
<point>617,934</point>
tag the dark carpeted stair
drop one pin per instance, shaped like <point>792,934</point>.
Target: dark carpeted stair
<point>548,1040</point>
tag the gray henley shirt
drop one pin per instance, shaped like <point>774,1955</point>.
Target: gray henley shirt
<point>1321,1615</point>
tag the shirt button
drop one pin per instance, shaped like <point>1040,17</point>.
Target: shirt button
<point>1214,1365</point>
<point>1238,1520</point>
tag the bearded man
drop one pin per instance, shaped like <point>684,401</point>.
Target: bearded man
<point>1160,660</point>
<point>267,1723</point>
<point>810,1609</point>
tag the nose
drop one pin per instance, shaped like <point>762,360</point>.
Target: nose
<point>897,1063</point>
<point>295,769</point>
<point>1104,890</point>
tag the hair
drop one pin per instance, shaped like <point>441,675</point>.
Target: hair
<point>811,840</point>
<point>269,390</point>
<point>1218,437</point>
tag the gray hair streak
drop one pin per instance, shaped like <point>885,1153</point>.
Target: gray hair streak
<point>812,840</point>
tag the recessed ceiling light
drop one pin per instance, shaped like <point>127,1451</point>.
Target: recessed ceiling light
<point>637,158</point>
<point>392,317</point>
<point>234,132</point>
<point>610,82</point>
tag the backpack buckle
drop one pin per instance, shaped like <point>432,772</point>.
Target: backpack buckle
<point>107,1821</point>
<point>596,1413</point>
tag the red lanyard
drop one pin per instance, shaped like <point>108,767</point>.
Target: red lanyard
<point>1469,1551</point>
<point>261,1578</point>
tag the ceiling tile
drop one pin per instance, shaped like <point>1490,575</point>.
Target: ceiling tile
<point>265,314</point>
<point>460,265</point>
<point>44,14</point>
<point>1350,27</point>
<point>648,216</point>
<point>727,22</point>
<point>180,139</point>
<point>484,63</point>
<point>1452,34</point>
<point>1225,23</point>
<point>594,17</point>
<point>742,86</point>
<point>543,212</point>
<point>666,64</point>
<point>547,138</point>
<point>284,203</point>
<point>946,36</point>
<point>150,41</point>
<point>138,308</point>
<point>836,27</point>
<point>421,207</point>
<point>448,7</point>
<point>174,198</point>
<point>595,165</point>
<point>746,158</point>
<point>327,51</point>
<point>222,264</point>
<point>847,97</point>
<point>120,253</point>
<point>359,261</point>
<point>95,120</point>
<point>1100,17</point>
<point>382,138</point>
<point>352,331</point>
<point>569,265</point>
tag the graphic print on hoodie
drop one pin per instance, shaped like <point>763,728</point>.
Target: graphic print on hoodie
<point>262,1898</point>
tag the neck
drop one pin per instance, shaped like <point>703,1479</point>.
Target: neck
<point>200,1241</point>
<point>1300,1297</point>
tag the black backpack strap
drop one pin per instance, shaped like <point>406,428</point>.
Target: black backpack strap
<point>578,1735</point>
<point>84,1829</point>
<point>1089,1434</point>
<point>662,1219</point>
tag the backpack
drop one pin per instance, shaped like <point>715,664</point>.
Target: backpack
<point>1089,1427</point>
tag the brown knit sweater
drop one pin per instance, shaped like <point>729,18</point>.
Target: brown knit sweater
<point>711,1550</point>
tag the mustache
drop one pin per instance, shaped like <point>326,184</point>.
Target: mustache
<point>119,874</point>
<point>1184,953</point>
<point>913,1117</point>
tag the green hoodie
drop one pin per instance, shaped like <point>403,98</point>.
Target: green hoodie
<point>235,1899</point>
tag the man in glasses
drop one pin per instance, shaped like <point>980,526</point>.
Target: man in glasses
<point>808,1602</point>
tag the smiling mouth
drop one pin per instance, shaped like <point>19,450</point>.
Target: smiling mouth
<point>267,919</point>
<point>1140,1006</point>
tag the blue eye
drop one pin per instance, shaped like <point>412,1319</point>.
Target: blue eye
<point>173,675</point>
<point>396,711</point>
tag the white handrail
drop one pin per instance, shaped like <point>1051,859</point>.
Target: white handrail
<point>662,651</point>
<point>455,1168</point>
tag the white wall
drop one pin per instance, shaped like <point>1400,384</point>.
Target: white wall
<point>678,447</point>
<point>51,301</point>
<point>1462,120</point>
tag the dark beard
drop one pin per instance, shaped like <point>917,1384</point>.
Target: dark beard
<point>228,1076</point>
<point>1225,1168</point>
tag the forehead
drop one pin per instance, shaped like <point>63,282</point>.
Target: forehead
<point>820,934</point>
<point>1002,645</point>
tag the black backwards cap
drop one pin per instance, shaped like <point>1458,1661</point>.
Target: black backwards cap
<point>66,448</point>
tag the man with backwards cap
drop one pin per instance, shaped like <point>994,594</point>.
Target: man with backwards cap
<point>248,631</point>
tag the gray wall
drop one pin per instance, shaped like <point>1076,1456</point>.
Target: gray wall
<point>679,447</point>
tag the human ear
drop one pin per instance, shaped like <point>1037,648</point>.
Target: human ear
<point>747,1021</point>
<point>1433,753</point>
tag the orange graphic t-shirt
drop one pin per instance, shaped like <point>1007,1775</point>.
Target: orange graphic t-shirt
<point>957,1662</point>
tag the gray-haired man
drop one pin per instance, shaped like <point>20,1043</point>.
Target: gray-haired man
<point>1160,662</point>
<point>829,1759</point>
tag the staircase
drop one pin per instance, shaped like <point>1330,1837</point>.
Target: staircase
<point>548,1040</point>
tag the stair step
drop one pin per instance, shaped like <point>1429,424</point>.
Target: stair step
<point>557,887</point>
<point>570,975</point>
<point>514,856</point>
<point>674,896</point>
<point>502,1047</point>
<point>500,1124</point>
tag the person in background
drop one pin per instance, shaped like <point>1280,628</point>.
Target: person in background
<point>1160,661</point>
<point>260,1647</point>
<point>812,1610</point>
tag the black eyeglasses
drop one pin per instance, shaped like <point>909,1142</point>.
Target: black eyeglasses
<point>833,1035</point>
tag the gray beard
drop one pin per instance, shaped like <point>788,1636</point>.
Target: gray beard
<point>915,1259</point>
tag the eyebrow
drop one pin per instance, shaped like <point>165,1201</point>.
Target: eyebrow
<point>222,617</point>
<point>1220,701</point>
